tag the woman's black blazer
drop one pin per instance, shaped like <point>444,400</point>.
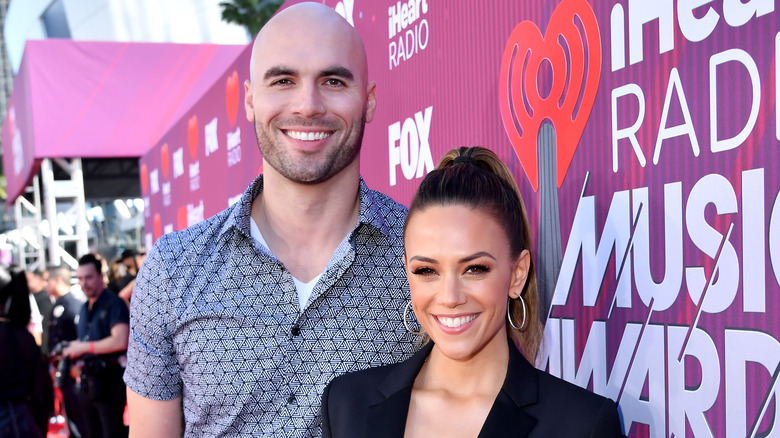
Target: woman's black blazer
<point>374,403</point>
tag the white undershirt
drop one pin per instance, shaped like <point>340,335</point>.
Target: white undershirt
<point>303,289</point>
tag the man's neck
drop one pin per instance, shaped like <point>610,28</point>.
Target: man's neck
<point>62,292</point>
<point>292,217</point>
<point>91,300</point>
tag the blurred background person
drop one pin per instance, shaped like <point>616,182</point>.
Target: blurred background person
<point>63,329</point>
<point>37,285</point>
<point>103,329</point>
<point>116,270</point>
<point>26,398</point>
<point>132,260</point>
<point>129,258</point>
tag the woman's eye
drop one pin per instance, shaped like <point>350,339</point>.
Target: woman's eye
<point>477,269</point>
<point>423,271</point>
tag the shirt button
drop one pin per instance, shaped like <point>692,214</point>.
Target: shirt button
<point>291,399</point>
<point>295,330</point>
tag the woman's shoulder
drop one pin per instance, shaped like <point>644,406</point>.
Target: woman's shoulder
<point>587,410</point>
<point>358,383</point>
<point>388,378</point>
<point>569,392</point>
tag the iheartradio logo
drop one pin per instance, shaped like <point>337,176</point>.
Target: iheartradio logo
<point>231,97</point>
<point>571,51</point>
<point>547,88</point>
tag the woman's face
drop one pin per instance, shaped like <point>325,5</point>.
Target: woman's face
<point>460,273</point>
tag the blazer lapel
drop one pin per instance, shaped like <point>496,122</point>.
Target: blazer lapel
<point>507,417</point>
<point>387,419</point>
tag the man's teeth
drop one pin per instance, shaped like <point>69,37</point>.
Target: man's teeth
<point>308,136</point>
<point>456,322</point>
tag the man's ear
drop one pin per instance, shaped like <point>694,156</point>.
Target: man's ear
<point>370,101</point>
<point>249,105</point>
<point>520,274</point>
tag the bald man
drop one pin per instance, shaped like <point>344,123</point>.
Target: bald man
<point>239,322</point>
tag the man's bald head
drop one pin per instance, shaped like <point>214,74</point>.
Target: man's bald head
<point>311,24</point>
<point>309,97</point>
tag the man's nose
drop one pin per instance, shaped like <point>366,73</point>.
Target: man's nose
<point>308,101</point>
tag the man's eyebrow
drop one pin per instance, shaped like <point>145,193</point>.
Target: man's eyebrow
<point>341,72</point>
<point>279,71</point>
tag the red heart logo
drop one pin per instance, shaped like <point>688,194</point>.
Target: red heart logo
<point>231,97</point>
<point>575,56</point>
<point>181,220</point>
<point>164,158</point>
<point>145,179</point>
<point>157,226</point>
<point>11,119</point>
<point>192,136</point>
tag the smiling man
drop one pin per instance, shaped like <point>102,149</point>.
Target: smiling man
<point>239,322</point>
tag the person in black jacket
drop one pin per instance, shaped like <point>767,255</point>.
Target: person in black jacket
<point>26,397</point>
<point>63,323</point>
<point>467,251</point>
<point>37,285</point>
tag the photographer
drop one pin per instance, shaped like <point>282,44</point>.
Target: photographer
<point>103,329</point>
<point>62,329</point>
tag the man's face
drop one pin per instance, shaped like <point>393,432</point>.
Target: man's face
<point>90,280</point>
<point>34,282</point>
<point>51,283</point>
<point>309,98</point>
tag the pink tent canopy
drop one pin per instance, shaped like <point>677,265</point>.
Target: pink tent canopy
<point>101,99</point>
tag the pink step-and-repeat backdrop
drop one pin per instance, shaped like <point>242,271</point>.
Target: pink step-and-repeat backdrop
<point>646,141</point>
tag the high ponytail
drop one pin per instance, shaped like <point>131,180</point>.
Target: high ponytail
<point>477,178</point>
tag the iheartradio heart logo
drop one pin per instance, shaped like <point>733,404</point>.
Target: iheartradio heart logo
<point>192,136</point>
<point>164,159</point>
<point>157,226</point>
<point>144,179</point>
<point>11,119</point>
<point>572,48</point>
<point>181,217</point>
<point>231,97</point>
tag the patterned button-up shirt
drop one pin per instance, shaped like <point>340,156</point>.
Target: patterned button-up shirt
<point>215,319</point>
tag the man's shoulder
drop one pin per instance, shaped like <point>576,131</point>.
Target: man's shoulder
<point>42,299</point>
<point>384,201</point>
<point>382,211</point>
<point>197,238</point>
<point>70,302</point>
<point>109,298</point>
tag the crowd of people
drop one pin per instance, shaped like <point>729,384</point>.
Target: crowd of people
<point>68,345</point>
<point>316,306</point>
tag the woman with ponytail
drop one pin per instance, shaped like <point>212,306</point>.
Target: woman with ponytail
<point>474,298</point>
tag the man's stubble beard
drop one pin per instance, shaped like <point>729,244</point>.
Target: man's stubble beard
<point>334,162</point>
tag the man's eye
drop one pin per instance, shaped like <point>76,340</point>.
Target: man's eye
<point>334,82</point>
<point>281,82</point>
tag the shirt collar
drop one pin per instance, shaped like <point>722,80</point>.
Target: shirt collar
<point>369,210</point>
